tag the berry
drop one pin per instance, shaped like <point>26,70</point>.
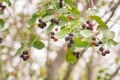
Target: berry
<point>71,34</point>
<point>52,33</point>
<point>69,45</point>
<point>87,27</point>
<point>41,24</point>
<point>55,39</point>
<point>71,41</point>
<point>96,44</point>
<point>74,53</point>
<point>21,56</point>
<point>25,58</point>
<point>83,26</point>
<point>25,52</point>
<point>107,51</point>
<point>60,3</point>
<point>91,26</point>
<point>66,38</point>
<point>94,38</point>
<point>70,17</point>
<point>88,21</point>
<point>39,20</point>
<point>101,49</point>
<point>1,40</point>
<point>103,53</point>
<point>78,56</point>
<point>93,42</point>
<point>55,20</point>
<point>56,29</point>
<point>52,37</point>
<point>100,42</point>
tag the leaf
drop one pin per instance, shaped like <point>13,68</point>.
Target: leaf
<point>102,26</point>
<point>47,18</point>
<point>63,20</point>
<point>109,34</point>
<point>1,12</point>
<point>31,42</point>
<point>61,34</point>
<point>1,23</point>
<point>51,27</point>
<point>38,44</point>
<point>69,56</point>
<point>19,50</point>
<point>111,42</point>
<point>33,19</point>
<point>86,33</point>
<point>80,43</point>
<point>8,1</point>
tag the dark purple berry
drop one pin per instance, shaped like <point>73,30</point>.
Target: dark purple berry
<point>21,56</point>
<point>71,41</point>
<point>100,42</point>
<point>39,20</point>
<point>52,33</point>
<point>94,38</point>
<point>52,37</point>
<point>69,45</point>
<point>25,52</point>
<point>84,26</point>
<point>66,38</point>
<point>107,51</point>
<point>55,20</point>
<point>87,27</point>
<point>103,53</point>
<point>88,21</point>
<point>71,34</point>
<point>101,49</point>
<point>25,58</point>
<point>1,40</point>
<point>78,56</point>
<point>96,44</point>
<point>74,53</point>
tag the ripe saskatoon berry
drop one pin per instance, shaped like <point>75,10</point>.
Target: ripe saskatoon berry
<point>74,53</point>
<point>71,34</point>
<point>70,17</point>
<point>71,41</point>
<point>1,40</point>
<point>107,51</point>
<point>25,58</point>
<point>94,38</point>
<point>39,20</point>
<point>101,49</point>
<point>56,29</point>
<point>96,44</point>
<point>78,56</point>
<point>55,20</point>
<point>52,37</point>
<point>100,42</point>
<point>25,52</point>
<point>69,45</point>
<point>88,21</point>
<point>60,3</point>
<point>103,53</point>
<point>83,26</point>
<point>87,27</point>
<point>21,56</point>
<point>66,38</point>
<point>55,39</point>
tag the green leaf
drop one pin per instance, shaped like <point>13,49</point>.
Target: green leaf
<point>1,23</point>
<point>19,50</point>
<point>51,27</point>
<point>80,43</point>
<point>109,34</point>
<point>8,1</point>
<point>63,20</point>
<point>38,44</point>
<point>6,75</point>
<point>1,12</point>
<point>111,42</point>
<point>31,42</point>
<point>61,34</point>
<point>33,19</point>
<point>102,26</point>
<point>86,33</point>
<point>47,18</point>
<point>69,56</point>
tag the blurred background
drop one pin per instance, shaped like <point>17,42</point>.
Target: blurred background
<point>49,63</point>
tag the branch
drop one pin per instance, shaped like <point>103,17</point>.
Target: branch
<point>113,75</point>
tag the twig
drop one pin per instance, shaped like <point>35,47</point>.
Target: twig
<point>20,33</point>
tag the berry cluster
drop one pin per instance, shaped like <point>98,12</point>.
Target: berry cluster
<point>55,20</point>
<point>1,40</point>
<point>41,24</point>
<point>25,55</point>
<point>104,52</point>
<point>2,7</point>
<point>88,25</point>
<point>96,42</point>
<point>70,39</point>
<point>76,54</point>
<point>52,36</point>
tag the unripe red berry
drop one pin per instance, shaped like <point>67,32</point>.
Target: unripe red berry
<point>56,29</point>
<point>55,39</point>
<point>70,17</point>
<point>107,51</point>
